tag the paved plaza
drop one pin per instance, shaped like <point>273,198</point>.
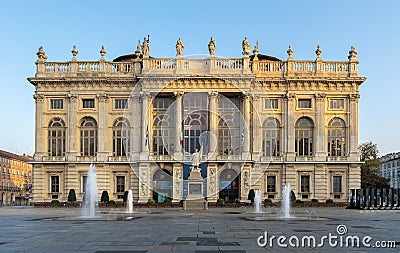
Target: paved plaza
<point>233,230</point>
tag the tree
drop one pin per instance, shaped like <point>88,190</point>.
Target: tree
<point>71,196</point>
<point>370,169</point>
<point>104,197</point>
<point>251,195</point>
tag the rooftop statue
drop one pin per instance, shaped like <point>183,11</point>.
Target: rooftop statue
<point>246,47</point>
<point>211,46</point>
<point>145,47</point>
<point>179,48</point>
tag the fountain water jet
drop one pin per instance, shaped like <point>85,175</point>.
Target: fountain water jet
<point>257,202</point>
<point>129,204</point>
<point>90,202</point>
<point>285,209</point>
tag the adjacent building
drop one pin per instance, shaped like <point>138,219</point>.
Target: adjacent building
<point>259,122</point>
<point>16,178</point>
<point>390,168</point>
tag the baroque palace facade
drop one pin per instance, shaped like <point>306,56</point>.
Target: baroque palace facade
<point>258,122</point>
<point>16,178</point>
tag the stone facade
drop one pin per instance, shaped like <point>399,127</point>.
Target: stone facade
<point>258,121</point>
<point>16,178</point>
<point>390,168</point>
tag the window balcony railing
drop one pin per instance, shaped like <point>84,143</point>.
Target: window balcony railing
<point>118,159</point>
<point>337,158</point>
<point>271,159</point>
<point>53,159</point>
<point>305,158</point>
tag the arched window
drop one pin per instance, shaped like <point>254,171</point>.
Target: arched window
<point>230,138</point>
<point>271,137</point>
<point>56,146</point>
<point>304,137</point>
<point>121,137</point>
<point>336,137</point>
<point>163,135</point>
<point>88,137</point>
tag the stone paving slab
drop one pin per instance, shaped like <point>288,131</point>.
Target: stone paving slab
<point>172,230</point>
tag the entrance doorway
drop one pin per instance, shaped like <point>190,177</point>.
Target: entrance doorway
<point>162,185</point>
<point>229,185</point>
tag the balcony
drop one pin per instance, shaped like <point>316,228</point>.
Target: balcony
<point>337,158</point>
<point>212,65</point>
<point>271,159</point>
<point>53,159</point>
<point>118,159</point>
<point>305,159</point>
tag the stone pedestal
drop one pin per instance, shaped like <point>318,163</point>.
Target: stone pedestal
<point>195,199</point>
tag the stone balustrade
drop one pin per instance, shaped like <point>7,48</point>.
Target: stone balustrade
<point>213,65</point>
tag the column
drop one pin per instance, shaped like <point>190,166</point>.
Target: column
<point>102,136</point>
<point>72,128</point>
<point>353,127</point>
<point>146,128</point>
<point>213,138</point>
<point>39,145</point>
<point>178,125</point>
<point>319,138</point>
<point>290,99</point>
<point>177,187</point>
<point>246,128</point>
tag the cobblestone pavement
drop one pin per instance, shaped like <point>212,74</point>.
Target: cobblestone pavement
<point>233,230</point>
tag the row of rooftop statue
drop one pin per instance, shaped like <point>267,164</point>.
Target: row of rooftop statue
<point>375,198</point>
<point>180,47</point>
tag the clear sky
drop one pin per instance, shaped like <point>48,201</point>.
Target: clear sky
<point>372,26</point>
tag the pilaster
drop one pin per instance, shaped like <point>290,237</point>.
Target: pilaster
<point>246,128</point>
<point>213,109</point>
<point>319,138</point>
<point>178,125</point>
<point>353,127</point>
<point>212,182</point>
<point>145,125</point>
<point>290,99</point>
<point>102,151</point>
<point>39,144</point>
<point>72,127</point>
<point>177,187</point>
<point>144,181</point>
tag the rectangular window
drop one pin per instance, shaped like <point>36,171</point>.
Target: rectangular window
<point>55,183</point>
<point>271,184</point>
<point>305,184</point>
<point>337,184</point>
<point>57,104</point>
<point>88,103</point>
<point>120,183</point>
<point>336,103</point>
<point>121,103</point>
<point>84,181</point>
<point>304,103</point>
<point>271,103</point>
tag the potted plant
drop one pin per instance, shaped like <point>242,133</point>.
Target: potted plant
<point>104,197</point>
<point>267,202</point>
<point>71,197</point>
<point>251,195</point>
<point>221,202</point>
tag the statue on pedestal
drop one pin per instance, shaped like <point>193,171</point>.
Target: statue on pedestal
<point>145,46</point>
<point>179,48</point>
<point>211,46</point>
<point>246,47</point>
<point>196,160</point>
